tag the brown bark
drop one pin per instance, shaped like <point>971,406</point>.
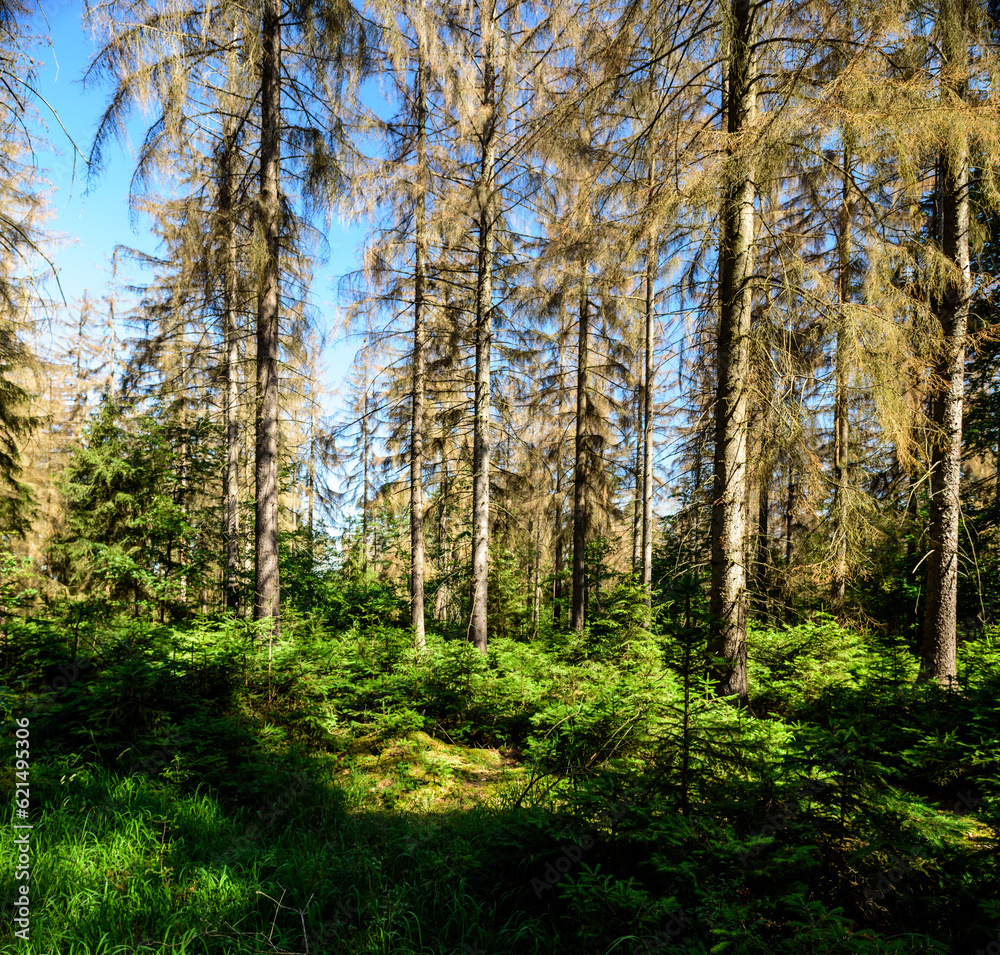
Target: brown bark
<point>838,583</point>
<point>647,430</point>
<point>484,340</point>
<point>266,581</point>
<point>940,622</point>
<point>559,589</point>
<point>442,596</point>
<point>729,507</point>
<point>230,479</point>
<point>364,475</point>
<point>760,569</point>
<point>419,343</point>
<point>637,495</point>
<point>581,477</point>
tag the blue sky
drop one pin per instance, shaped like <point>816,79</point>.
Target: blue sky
<point>93,222</point>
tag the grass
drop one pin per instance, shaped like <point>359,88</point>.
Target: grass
<point>129,865</point>
<point>181,806</point>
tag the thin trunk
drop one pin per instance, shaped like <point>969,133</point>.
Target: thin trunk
<point>182,467</point>
<point>647,427</point>
<point>484,339</point>
<point>838,584</point>
<point>311,476</point>
<point>996,491</point>
<point>112,327</point>
<point>266,582</point>
<point>364,478</point>
<point>940,622</point>
<point>728,588</point>
<point>230,479</point>
<point>419,344</point>
<point>790,494</point>
<point>537,586</point>
<point>559,564</point>
<point>637,494</point>
<point>444,569</point>
<point>581,466</point>
<point>790,501</point>
<point>763,509</point>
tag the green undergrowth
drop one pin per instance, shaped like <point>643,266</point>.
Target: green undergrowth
<point>195,790</point>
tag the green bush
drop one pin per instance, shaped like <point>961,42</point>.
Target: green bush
<point>789,667</point>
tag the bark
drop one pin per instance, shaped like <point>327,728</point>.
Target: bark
<point>182,467</point>
<point>791,500</point>
<point>558,590</point>
<point>230,480</point>
<point>938,654</point>
<point>311,477</point>
<point>266,582</point>
<point>441,598</point>
<point>582,461</point>
<point>419,343</point>
<point>484,340</point>
<point>760,570</point>
<point>647,431</point>
<point>637,495</point>
<point>838,583</point>
<point>729,506</point>
<point>364,477</point>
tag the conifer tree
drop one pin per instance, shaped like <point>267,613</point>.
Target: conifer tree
<point>938,660</point>
<point>736,265</point>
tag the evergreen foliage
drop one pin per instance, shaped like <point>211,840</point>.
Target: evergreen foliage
<point>642,592</point>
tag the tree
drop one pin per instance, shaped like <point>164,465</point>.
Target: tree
<point>938,660</point>
<point>208,71</point>
<point>736,263</point>
<point>21,253</point>
<point>266,582</point>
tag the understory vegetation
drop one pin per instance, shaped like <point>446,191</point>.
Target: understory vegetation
<point>195,789</point>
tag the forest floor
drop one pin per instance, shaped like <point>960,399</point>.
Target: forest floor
<point>188,798</point>
<point>418,773</point>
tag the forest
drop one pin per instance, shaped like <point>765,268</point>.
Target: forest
<point>638,588</point>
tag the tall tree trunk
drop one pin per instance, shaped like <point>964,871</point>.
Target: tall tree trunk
<point>230,480</point>
<point>838,583</point>
<point>419,343</point>
<point>791,499</point>
<point>647,427</point>
<point>728,587</point>
<point>536,603</point>
<point>761,560</point>
<point>558,589</point>
<point>637,495</point>
<point>364,475</point>
<point>182,467</point>
<point>581,465</point>
<point>311,477</point>
<point>444,569</point>
<point>938,656</point>
<point>266,582</point>
<point>484,340</point>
